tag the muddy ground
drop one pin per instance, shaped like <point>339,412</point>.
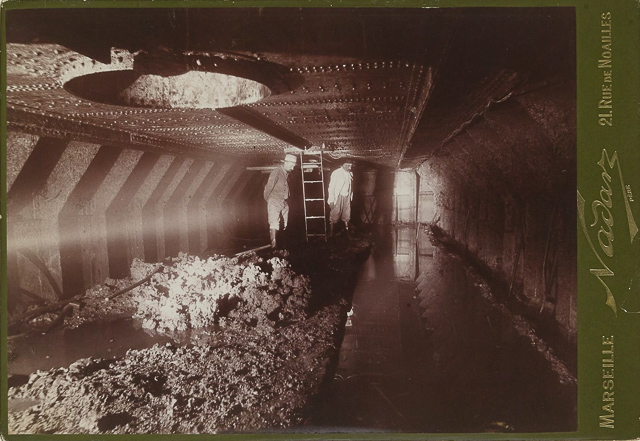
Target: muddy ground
<point>268,329</point>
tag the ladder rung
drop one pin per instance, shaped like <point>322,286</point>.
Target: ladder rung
<point>309,166</point>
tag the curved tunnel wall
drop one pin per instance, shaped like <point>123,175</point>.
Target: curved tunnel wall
<point>504,193</point>
<point>79,213</point>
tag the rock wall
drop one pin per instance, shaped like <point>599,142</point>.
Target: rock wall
<point>504,190</point>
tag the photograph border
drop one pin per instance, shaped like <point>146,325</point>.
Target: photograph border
<point>605,131</point>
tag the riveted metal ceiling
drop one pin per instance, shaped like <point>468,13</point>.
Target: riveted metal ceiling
<point>389,86</point>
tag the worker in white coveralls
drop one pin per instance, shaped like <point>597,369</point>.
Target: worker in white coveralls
<point>340,196</point>
<point>276,193</point>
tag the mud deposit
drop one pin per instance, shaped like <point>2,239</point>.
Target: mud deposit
<point>267,339</point>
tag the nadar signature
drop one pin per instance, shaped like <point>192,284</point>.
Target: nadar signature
<point>602,217</point>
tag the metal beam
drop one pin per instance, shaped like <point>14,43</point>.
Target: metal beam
<point>414,110</point>
<point>422,86</point>
<point>263,124</point>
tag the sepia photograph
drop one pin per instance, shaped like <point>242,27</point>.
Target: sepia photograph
<point>281,220</point>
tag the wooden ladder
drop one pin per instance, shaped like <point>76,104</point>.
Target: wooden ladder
<point>313,193</point>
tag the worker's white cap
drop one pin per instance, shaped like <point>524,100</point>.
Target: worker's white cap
<point>290,158</point>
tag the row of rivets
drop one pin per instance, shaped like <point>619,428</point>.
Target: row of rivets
<point>36,111</point>
<point>350,67</point>
<point>140,112</point>
<point>20,103</point>
<point>351,138</point>
<point>43,131</point>
<point>359,141</point>
<point>211,129</point>
<point>134,137</point>
<point>348,133</point>
<point>247,144</point>
<point>217,136</point>
<point>319,113</point>
<point>354,135</point>
<point>136,112</point>
<point>350,121</point>
<point>383,99</point>
<point>33,87</point>
<point>371,126</point>
<point>351,87</point>
<point>245,141</point>
<point>343,115</point>
<point>238,147</point>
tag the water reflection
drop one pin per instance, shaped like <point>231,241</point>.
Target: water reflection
<point>100,339</point>
<point>404,255</point>
<point>432,355</point>
<point>368,271</point>
<point>411,250</point>
<point>60,348</point>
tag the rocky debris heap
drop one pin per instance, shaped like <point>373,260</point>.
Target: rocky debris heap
<point>192,293</point>
<point>251,378</point>
<point>95,306</point>
<point>196,293</point>
<point>266,356</point>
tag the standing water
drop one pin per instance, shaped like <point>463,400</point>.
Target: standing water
<point>62,347</point>
<point>447,361</point>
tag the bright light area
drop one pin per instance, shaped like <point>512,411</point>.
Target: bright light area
<point>405,183</point>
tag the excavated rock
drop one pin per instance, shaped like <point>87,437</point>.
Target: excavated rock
<point>265,355</point>
<point>95,305</point>
<point>197,293</point>
<point>245,379</point>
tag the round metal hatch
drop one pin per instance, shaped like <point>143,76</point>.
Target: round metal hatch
<point>183,81</point>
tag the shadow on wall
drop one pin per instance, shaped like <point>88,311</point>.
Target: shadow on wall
<point>79,213</point>
<point>504,194</point>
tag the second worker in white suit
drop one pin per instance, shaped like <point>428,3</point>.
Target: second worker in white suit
<point>340,196</point>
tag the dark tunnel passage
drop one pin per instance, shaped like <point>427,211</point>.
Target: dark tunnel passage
<point>461,123</point>
<point>440,357</point>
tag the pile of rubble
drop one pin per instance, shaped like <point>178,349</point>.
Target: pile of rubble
<point>246,379</point>
<point>266,355</point>
<point>196,293</point>
<point>96,305</point>
<point>191,293</point>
